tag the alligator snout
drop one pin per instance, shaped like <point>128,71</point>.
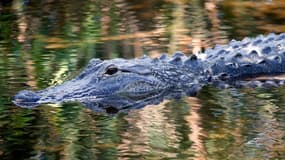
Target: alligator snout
<point>26,99</point>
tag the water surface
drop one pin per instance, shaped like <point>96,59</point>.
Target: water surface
<point>43,43</point>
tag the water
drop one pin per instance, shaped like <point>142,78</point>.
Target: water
<point>43,43</point>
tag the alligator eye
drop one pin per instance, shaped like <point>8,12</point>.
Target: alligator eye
<point>111,70</point>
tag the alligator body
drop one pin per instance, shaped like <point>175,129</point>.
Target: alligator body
<point>125,84</point>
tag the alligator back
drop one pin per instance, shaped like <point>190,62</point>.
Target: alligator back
<point>245,60</point>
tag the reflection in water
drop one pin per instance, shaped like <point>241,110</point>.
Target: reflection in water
<point>268,137</point>
<point>248,130</point>
<point>194,120</point>
<point>45,43</point>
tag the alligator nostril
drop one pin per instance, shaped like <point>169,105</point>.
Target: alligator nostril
<point>26,98</point>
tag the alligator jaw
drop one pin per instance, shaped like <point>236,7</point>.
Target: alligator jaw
<point>30,99</point>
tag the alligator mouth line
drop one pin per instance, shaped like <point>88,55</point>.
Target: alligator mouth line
<point>82,99</point>
<point>25,104</point>
<point>24,99</point>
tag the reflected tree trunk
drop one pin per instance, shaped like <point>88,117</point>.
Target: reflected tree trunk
<point>196,134</point>
<point>25,38</point>
<point>218,36</point>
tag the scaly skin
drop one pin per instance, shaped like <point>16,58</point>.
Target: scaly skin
<point>121,84</point>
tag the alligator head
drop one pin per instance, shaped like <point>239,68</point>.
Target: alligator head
<point>118,84</point>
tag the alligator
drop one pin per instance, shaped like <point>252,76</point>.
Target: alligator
<point>124,84</point>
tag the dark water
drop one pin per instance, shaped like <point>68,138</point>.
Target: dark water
<point>45,42</point>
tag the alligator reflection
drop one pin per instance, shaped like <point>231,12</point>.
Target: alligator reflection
<point>115,104</point>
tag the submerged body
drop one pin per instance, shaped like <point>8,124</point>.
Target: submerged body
<point>122,84</point>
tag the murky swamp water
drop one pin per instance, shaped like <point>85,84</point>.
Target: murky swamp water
<point>43,43</point>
